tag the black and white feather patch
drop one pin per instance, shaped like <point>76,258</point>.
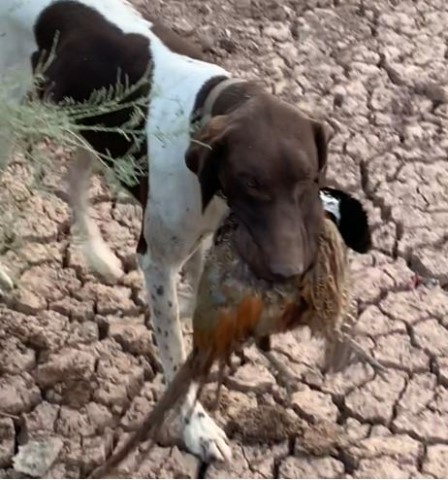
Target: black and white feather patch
<point>350,217</point>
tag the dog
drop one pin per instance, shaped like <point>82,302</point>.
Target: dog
<point>213,144</point>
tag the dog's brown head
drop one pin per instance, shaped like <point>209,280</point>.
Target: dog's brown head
<point>267,159</point>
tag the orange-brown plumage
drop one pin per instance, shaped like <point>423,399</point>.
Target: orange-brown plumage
<point>233,306</point>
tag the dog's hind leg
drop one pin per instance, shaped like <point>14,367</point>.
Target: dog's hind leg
<point>98,255</point>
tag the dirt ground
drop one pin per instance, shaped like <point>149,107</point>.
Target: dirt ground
<point>77,360</point>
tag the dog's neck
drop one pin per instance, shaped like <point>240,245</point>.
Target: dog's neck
<point>220,96</point>
<point>205,113</point>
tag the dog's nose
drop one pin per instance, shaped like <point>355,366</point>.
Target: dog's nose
<point>284,271</point>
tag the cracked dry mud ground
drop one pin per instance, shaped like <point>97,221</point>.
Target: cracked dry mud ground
<point>76,359</point>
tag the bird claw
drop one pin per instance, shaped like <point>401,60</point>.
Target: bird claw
<point>343,351</point>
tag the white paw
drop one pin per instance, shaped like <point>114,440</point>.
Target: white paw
<point>5,280</point>
<point>102,260</point>
<point>204,438</point>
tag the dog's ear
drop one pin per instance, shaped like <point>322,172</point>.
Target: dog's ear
<point>204,155</point>
<point>321,140</point>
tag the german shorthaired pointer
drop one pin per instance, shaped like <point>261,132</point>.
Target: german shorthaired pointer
<point>213,143</point>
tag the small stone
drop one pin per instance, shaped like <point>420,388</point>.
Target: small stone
<point>36,457</point>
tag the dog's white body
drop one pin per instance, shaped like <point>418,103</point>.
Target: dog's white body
<point>174,225</point>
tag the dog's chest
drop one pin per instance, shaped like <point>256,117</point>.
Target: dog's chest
<point>176,82</point>
<point>175,201</point>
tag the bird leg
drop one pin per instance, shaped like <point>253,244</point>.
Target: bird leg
<point>285,377</point>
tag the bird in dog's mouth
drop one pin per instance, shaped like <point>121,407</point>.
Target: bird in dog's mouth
<point>234,304</point>
<point>343,209</point>
<point>235,307</point>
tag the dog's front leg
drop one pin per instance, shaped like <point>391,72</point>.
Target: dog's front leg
<point>201,434</point>
<point>160,282</point>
